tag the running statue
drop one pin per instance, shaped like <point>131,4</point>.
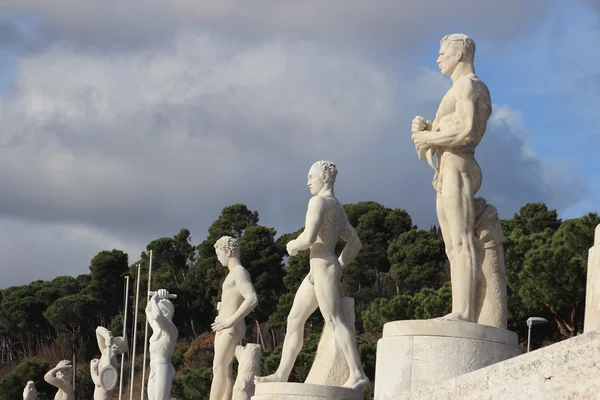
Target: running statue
<point>326,223</point>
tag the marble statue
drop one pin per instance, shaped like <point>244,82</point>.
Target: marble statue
<point>457,129</point>
<point>326,222</point>
<point>237,301</point>
<point>109,349</point>
<point>159,313</point>
<point>29,393</point>
<point>59,378</point>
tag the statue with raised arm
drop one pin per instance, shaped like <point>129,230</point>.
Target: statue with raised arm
<point>452,137</point>
<point>326,223</point>
<point>237,301</point>
<point>29,393</point>
<point>110,348</point>
<point>159,313</point>
<point>59,378</point>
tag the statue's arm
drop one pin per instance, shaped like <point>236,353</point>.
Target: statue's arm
<point>460,131</point>
<point>312,225</point>
<point>352,247</point>
<point>102,335</point>
<point>51,378</point>
<point>94,372</point>
<point>153,312</point>
<point>244,285</point>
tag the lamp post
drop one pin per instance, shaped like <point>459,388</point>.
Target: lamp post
<point>530,322</point>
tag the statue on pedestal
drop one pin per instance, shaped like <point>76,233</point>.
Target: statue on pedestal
<point>59,378</point>
<point>159,313</point>
<point>452,137</point>
<point>326,223</point>
<point>29,393</point>
<point>109,349</point>
<point>238,299</point>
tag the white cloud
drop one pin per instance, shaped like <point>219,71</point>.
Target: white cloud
<point>138,145</point>
<point>388,23</point>
<point>32,251</point>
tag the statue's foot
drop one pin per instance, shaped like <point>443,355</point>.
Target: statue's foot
<point>269,378</point>
<point>453,316</point>
<point>356,382</point>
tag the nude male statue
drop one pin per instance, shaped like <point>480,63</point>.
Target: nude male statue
<point>326,222</point>
<point>58,377</point>
<point>159,313</point>
<point>237,301</point>
<point>118,345</point>
<point>459,126</point>
<point>29,393</point>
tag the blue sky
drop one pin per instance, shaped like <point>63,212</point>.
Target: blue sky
<point>124,121</point>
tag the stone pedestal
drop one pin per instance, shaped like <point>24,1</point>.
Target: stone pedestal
<point>330,366</point>
<point>303,391</point>
<point>592,294</point>
<point>413,355</point>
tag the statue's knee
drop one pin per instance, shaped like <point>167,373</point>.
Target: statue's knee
<point>293,323</point>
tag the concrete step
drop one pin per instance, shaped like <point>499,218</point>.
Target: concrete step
<point>571,366</point>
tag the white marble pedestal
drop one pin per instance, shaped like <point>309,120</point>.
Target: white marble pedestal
<point>303,391</point>
<point>416,354</point>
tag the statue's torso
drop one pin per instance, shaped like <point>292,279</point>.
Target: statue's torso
<point>332,227</point>
<point>231,298</point>
<point>162,345</point>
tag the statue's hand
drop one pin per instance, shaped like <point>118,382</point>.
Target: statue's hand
<point>162,294</point>
<point>94,364</point>
<point>63,364</point>
<point>418,124</point>
<point>421,139</point>
<point>291,248</point>
<point>220,325</point>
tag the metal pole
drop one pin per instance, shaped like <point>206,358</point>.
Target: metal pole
<point>137,301</point>
<point>146,329</point>
<point>124,336</point>
<point>528,338</point>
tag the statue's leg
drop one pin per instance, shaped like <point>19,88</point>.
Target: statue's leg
<point>458,193</point>
<point>150,387</point>
<point>163,380</point>
<point>222,383</point>
<point>305,303</point>
<point>327,288</point>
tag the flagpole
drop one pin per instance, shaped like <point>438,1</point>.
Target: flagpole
<point>124,336</point>
<point>146,330</point>
<point>137,301</point>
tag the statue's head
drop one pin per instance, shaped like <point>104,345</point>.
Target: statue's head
<point>454,49</point>
<point>167,308</point>
<point>30,386</point>
<point>321,173</point>
<point>227,247</point>
<point>119,345</point>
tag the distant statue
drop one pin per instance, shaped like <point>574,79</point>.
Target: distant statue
<point>109,349</point>
<point>457,129</point>
<point>29,393</point>
<point>326,223</point>
<point>59,377</point>
<point>237,301</point>
<point>159,313</point>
